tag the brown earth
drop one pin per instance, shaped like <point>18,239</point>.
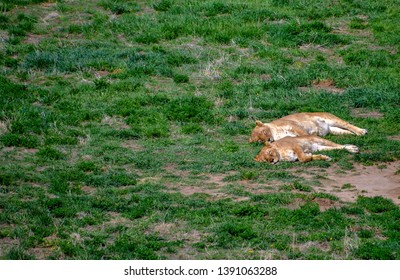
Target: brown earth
<point>364,113</point>
<point>375,180</point>
<point>381,180</point>
<point>325,85</point>
<point>394,137</point>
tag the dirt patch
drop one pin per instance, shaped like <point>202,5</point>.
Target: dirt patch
<point>329,53</point>
<point>214,185</point>
<point>132,145</point>
<point>178,231</point>
<point>304,247</point>
<point>4,37</point>
<point>51,16</point>
<point>29,151</point>
<point>164,228</point>
<point>342,27</point>
<point>115,122</point>
<point>88,190</point>
<point>3,127</point>
<point>6,244</point>
<point>325,85</point>
<point>41,253</point>
<point>160,84</point>
<point>33,39</point>
<point>265,77</point>
<point>117,219</point>
<point>362,113</point>
<point>172,169</point>
<point>212,69</point>
<point>296,204</point>
<point>214,193</point>
<point>101,73</point>
<point>394,137</point>
<point>173,231</point>
<point>217,179</point>
<point>364,181</point>
<point>347,185</point>
<point>344,30</point>
<point>325,203</point>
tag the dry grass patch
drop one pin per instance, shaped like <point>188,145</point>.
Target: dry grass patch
<point>132,145</point>
<point>394,137</point>
<point>115,122</point>
<point>4,127</point>
<point>365,113</point>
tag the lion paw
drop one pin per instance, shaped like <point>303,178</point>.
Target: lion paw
<point>362,132</point>
<point>351,148</point>
<point>328,158</point>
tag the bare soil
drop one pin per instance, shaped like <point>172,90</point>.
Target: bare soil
<point>326,85</point>
<point>347,185</point>
<point>394,137</point>
<point>363,113</point>
<point>382,180</point>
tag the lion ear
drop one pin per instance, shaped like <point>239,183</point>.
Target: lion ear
<point>258,123</point>
<point>267,144</point>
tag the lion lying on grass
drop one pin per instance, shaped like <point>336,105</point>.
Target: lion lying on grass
<point>299,148</point>
<point>303,124</point>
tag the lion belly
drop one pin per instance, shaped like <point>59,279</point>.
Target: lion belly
<point>316,127</point>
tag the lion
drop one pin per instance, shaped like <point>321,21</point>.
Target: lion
<point>299,148</point>
<point>301,124</point>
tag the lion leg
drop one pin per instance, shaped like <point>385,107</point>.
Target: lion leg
<point>301,155</point>
<point>321,157</point>
<point>339,126</point>
<point>326,145</point>
<point>347,129</point>
<point>339,131</point>
<point>306,157</point>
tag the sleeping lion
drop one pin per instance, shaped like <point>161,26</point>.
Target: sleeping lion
<point>299,148</point>
<point>301,124</point>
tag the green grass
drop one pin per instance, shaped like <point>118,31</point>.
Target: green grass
<point>124,127</point>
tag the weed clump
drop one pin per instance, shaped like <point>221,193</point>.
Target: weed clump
<point>149,123</point>
<point>234,128</point>
<point>231,233</point>
<point>293,34</point>
<point>192,128</point>
<point>180,78</point>
<point>190,109</point>
<point>110,179</point>
<point>120,7</point>
<point>49,153</point>
<point>368,58</point>
<point>378,251</point>
<point>148,38</point>
<point>162,5</point>
<point>376,204</point>
<point>18,140</point>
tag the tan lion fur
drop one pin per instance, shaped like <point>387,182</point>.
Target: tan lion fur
<point>301,124</point>
<point>299,148</point>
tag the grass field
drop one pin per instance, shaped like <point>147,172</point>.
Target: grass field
<point>124,127</point>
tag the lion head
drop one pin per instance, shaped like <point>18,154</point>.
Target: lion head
<point>261,133</point>
<point>268,154</point>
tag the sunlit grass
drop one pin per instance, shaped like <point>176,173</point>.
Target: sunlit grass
<point>124,127</point>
